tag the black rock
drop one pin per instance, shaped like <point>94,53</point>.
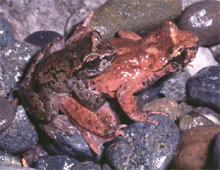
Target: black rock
<point>41,38</point>
<point>64,162</point>
<point>144,145</point>
<point>7,114</point>
<point>217,152</point>
<point>20,135</point>
<point>203,19</point>
<point>6,33</point>
<point>204,87</point>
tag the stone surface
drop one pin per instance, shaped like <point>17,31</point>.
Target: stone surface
<point>174,85</point>
<point>64,162</point>
<point>13,60</point>
<point>7,114</point>
<point>144,145</point>
<point>216,52</point>
<point>195,147</point>
<point>199,116</point>
<point>41,38</point>
<point>204,87</point>
<point>20,136</point>
<point>203,19</point>
<point>31,16</point>
<point>9,160</point>
<point>6,32</point>
<point>138,16</point>
<point>204,58</point>
<point>164,105</point>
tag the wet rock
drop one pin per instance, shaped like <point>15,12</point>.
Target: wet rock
<point>20,135</point>
<point>7,114</point>
<point>204,87</point>
<point>185,108</point>
<point>194,149</point>
<point>41,38</point>
<point>72,145</point>
<point>147,95</point>
<point>199,116</point>
<point>188,3</point>
<point>217,152</point>
<point>203,19</point>
<point>138,16</point>
<point>164,105</point>
<point>216,52</point>
<point>31,16</point>
<point>64,162</point>
<point>174,85</point>
<point>144,145</point>
<point>7,159</point>
<point>6,32</point>
<point>13,60</point>
<point>204,58</point>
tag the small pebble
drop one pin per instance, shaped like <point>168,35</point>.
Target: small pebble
<point>193,149</point>
<point>144,145</point>
<point>164,105</point>
<point>20,135</point>
<point>204,58</point>
<point>216,52</point>
<point>7,114</point>
<point>42,38</point>
<point>6,33</point>
<point>185,108</point>
<point>9,160</point>
<point>203,19</point>
<point>64,162</point>
<point>174,85</point>
<point>199,116</point>
<point>217,152</point>
<point>204,87</point>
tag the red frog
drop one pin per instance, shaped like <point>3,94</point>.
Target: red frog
<point>75,76</point>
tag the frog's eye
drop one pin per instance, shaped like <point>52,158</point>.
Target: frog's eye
<point>92,61</point>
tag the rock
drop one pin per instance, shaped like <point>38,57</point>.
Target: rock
<point>174,85</point>
<point>64,162</point>
<point>204,87</point>
<point>204,58</point>
<point>20,135</point>
<point>144,145</point>
<point>203,19</point>
<point>9,160</point>
<point>199,116</point>
<point>14,168</point>
<point>216,52</point>
<point>6,32</point>
<point>13,60</point>
<point>147,95</point>
<point>188,3</point>
<point>217,152</point>
<point>7,114</point>
<point>195,147</point>
<point>185,108</point>
<point>165,105</point>
<point>41,38</point>
<point>138,16</point>
<point>59,16</point>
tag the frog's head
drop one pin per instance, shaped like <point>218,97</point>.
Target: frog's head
<point>179,47</point>
<point>98,56</point>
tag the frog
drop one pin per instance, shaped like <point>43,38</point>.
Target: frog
<point>140,62</point>
<point>53,72</point>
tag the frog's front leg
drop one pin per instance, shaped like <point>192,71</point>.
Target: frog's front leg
<point>127,102</point>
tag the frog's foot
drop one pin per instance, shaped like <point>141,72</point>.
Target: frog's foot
<point>60,122</point>
<point>120,132</point>
<point>129,35</point>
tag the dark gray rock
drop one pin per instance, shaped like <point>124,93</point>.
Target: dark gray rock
<point>144,145</point>
<point>204,87</point>
<point>6,32</point>
<point>203,19</point>
<point>13,60</point>
<point>138,16</point>
<point>174,85</point>
<point>217,152</point>
<point>64,162</point>
<point>7,114</point>
<point>20,136</point>
<point>41,38</point>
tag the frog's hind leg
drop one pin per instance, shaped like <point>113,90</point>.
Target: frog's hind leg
<point>129,35</point>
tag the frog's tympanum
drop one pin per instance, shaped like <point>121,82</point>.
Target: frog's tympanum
<point>74,77</point>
